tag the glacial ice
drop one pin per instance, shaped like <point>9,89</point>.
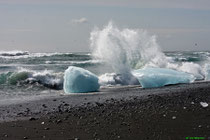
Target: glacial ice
<point>78,80</point>
<point>158,77</point>
<point>207,72</point>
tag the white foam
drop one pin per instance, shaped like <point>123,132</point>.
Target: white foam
<point>107,79</point>
<point>192,68</point>
<point>46,77</point>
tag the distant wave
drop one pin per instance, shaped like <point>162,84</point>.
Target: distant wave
<point>74,62</point>
<point>26,54</point>
<point>13,53</point>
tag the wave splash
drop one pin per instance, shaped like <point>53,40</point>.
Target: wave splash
<point>125,50</point>
<point>128,49</point>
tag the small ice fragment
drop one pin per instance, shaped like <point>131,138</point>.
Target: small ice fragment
<point>164,115</point>
<point>42,122</point>
<point>192,103</point>
<point>200,126</point>
<point>204,104</point>
<point>184,107</point>
<point>174,117</point>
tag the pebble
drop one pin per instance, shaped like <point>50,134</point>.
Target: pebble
<point>32,119</point>
<point>174,117</point>
<point>58,121</point>
<point>204,104</point>
<point>44,106</point>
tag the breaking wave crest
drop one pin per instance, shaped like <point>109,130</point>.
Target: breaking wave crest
<point>13,53</point>
<point>23,76</point>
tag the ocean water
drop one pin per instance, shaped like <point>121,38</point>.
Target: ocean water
<point>114,54</point>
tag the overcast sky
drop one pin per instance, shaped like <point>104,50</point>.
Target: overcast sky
<point>65,25</point>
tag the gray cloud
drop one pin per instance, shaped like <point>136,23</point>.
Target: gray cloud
<point>186,4</point>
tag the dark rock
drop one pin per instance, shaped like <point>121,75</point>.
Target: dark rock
<point>58,121</point>
<point>32,119</point>
<point>47,128</point>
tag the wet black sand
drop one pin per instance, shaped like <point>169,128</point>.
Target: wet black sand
<point>172,112</point>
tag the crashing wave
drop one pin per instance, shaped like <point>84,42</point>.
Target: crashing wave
<point>126,50</point>
<point>45,78</point>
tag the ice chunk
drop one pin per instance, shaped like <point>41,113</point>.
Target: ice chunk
<point>78,80</point>
<point>158,77</point>
<point>207,72</point>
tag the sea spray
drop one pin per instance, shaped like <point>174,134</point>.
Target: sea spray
<point>129,49</point>
<point>125,50</point>
<point>192,68</point>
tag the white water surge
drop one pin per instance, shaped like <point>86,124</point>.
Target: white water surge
<point>126,50</point>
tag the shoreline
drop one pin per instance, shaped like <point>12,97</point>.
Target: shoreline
<point>130,112</point>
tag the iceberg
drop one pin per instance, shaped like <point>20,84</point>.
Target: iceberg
<point>78,80</point>
<point>158,77</point>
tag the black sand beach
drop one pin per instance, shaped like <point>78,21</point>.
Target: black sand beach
<point>167,113</point>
